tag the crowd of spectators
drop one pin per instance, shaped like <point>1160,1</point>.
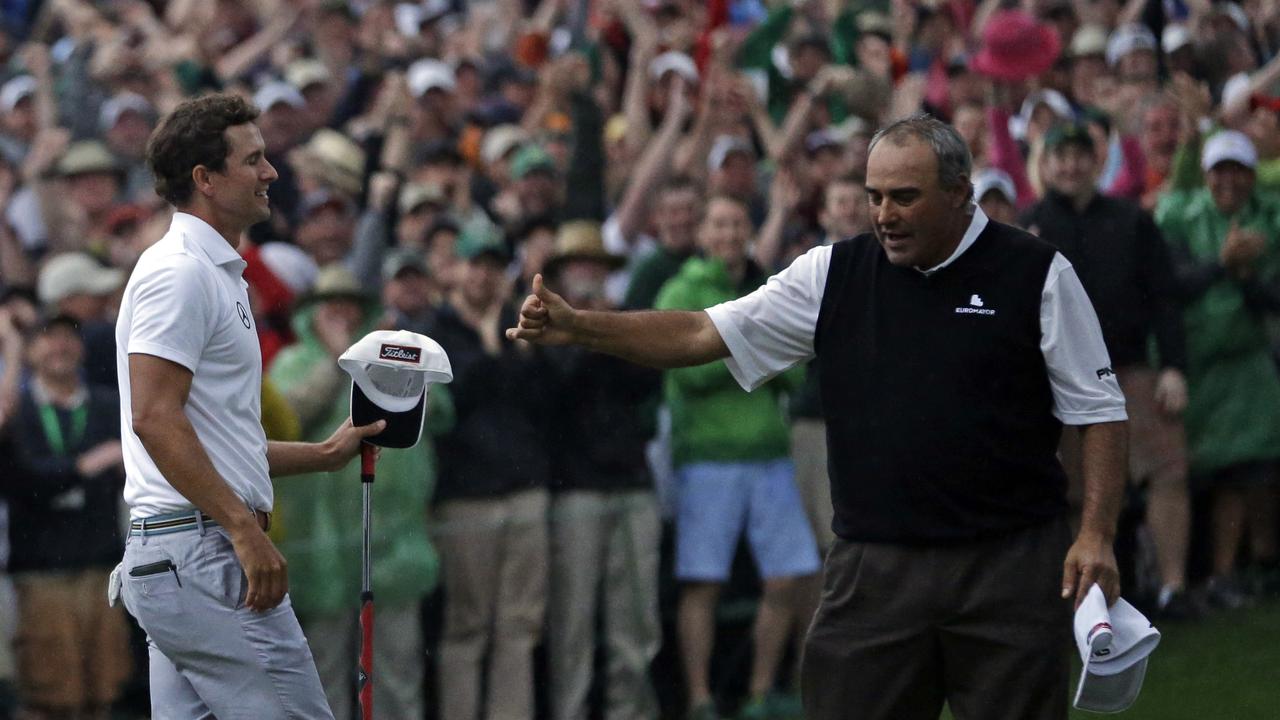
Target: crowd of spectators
<point>570,521</point>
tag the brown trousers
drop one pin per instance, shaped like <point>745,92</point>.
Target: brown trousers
<point>979,625</point>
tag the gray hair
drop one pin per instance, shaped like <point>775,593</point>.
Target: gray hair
<point>955,164</point>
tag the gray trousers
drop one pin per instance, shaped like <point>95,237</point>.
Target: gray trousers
<point>398,659</point>
<point>211,657</point>
<point>604,550</point>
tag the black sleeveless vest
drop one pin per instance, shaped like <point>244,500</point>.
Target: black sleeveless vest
<point>936,394</point>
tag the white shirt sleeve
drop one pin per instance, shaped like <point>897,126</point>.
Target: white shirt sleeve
<point>170,311</point>
<point>1085,389</point>
<point>772,329</point>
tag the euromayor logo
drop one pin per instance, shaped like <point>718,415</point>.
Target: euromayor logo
<point>976,307</point>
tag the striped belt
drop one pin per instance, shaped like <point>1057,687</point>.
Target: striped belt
<point>181,521</point>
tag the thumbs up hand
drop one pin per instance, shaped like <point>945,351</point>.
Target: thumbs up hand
<point>545,318</point>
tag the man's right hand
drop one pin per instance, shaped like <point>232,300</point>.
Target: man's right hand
<point>545,318</point>
<point>264,566</point>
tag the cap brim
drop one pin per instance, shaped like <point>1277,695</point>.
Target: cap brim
<point>1110,693</point>
<point>403,428</point>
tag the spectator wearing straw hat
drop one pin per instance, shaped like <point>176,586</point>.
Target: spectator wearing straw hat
<point>328,161</point>
<point>605,529</point>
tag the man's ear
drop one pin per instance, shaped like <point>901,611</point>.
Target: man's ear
<point>200,178</point>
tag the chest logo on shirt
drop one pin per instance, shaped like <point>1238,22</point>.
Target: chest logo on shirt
<point>976,307</point>
<point>244,314</point>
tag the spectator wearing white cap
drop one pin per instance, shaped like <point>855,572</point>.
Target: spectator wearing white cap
<point>1087,53</point>
<point>127,120</point>
<point>1223,238</point>
<point>995,193</point>
<point>497,148</point>
<point>1131,54</point>
<point>432,85</point>
<point>663,70</point>
<point>313,79</point>
<point>731,165</point>
<point>1178,48</point>
<point>282,107</point>
<point>18,123</point>
<point>78,286</point>
<point>283,127</point>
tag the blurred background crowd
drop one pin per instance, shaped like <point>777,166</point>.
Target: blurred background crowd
<point>434,156</point>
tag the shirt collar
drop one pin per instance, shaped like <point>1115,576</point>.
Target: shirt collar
<point>202,235</point>
<point>42,396</point>
<point>977,224</point>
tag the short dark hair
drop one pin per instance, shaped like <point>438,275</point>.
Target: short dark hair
<point>955,164</point>
<point>194,134</point>
<point>847,178</point>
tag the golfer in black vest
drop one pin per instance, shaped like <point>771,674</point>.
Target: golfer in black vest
<point>950,351</point>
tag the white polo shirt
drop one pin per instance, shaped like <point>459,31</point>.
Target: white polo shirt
<point>772,329</point>
<point>187,302</point>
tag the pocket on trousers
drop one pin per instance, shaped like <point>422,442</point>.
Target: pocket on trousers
<point>153,577</point>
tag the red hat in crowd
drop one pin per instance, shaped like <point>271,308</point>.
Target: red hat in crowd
<point>1015,46</point>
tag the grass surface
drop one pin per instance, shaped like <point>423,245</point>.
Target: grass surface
<point>1224,668</point>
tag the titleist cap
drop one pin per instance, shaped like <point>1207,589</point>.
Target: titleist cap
<point>391,372</point>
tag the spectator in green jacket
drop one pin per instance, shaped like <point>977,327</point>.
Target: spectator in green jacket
<point>731,455</point>
<point>319,530</point>
<point>1225,242</point>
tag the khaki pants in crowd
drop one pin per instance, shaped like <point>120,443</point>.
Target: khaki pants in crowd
<point>494,555</point>
<point>398,659</point>
<point>73,650</point>
<point>604,551</point>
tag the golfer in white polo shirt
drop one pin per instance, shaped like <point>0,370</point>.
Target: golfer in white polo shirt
<point>199,573</point>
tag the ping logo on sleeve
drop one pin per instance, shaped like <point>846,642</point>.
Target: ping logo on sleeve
<point>401,353</point>
<point>1104,372</point>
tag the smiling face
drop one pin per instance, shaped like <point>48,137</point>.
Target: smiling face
<point>238,192</point>
<point>918,222</point>
<point>1072,169</point>
<point>56,353</point>
<point>725,231</point>
<point>1231,185</point>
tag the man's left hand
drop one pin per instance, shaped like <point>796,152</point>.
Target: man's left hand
<point>1090,560</point>
<point>344,443</point>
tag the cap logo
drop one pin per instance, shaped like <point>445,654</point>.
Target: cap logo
<point>401,353</point>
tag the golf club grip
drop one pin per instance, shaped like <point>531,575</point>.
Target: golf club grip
<point>368,456</point>
<point>365,688</point>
